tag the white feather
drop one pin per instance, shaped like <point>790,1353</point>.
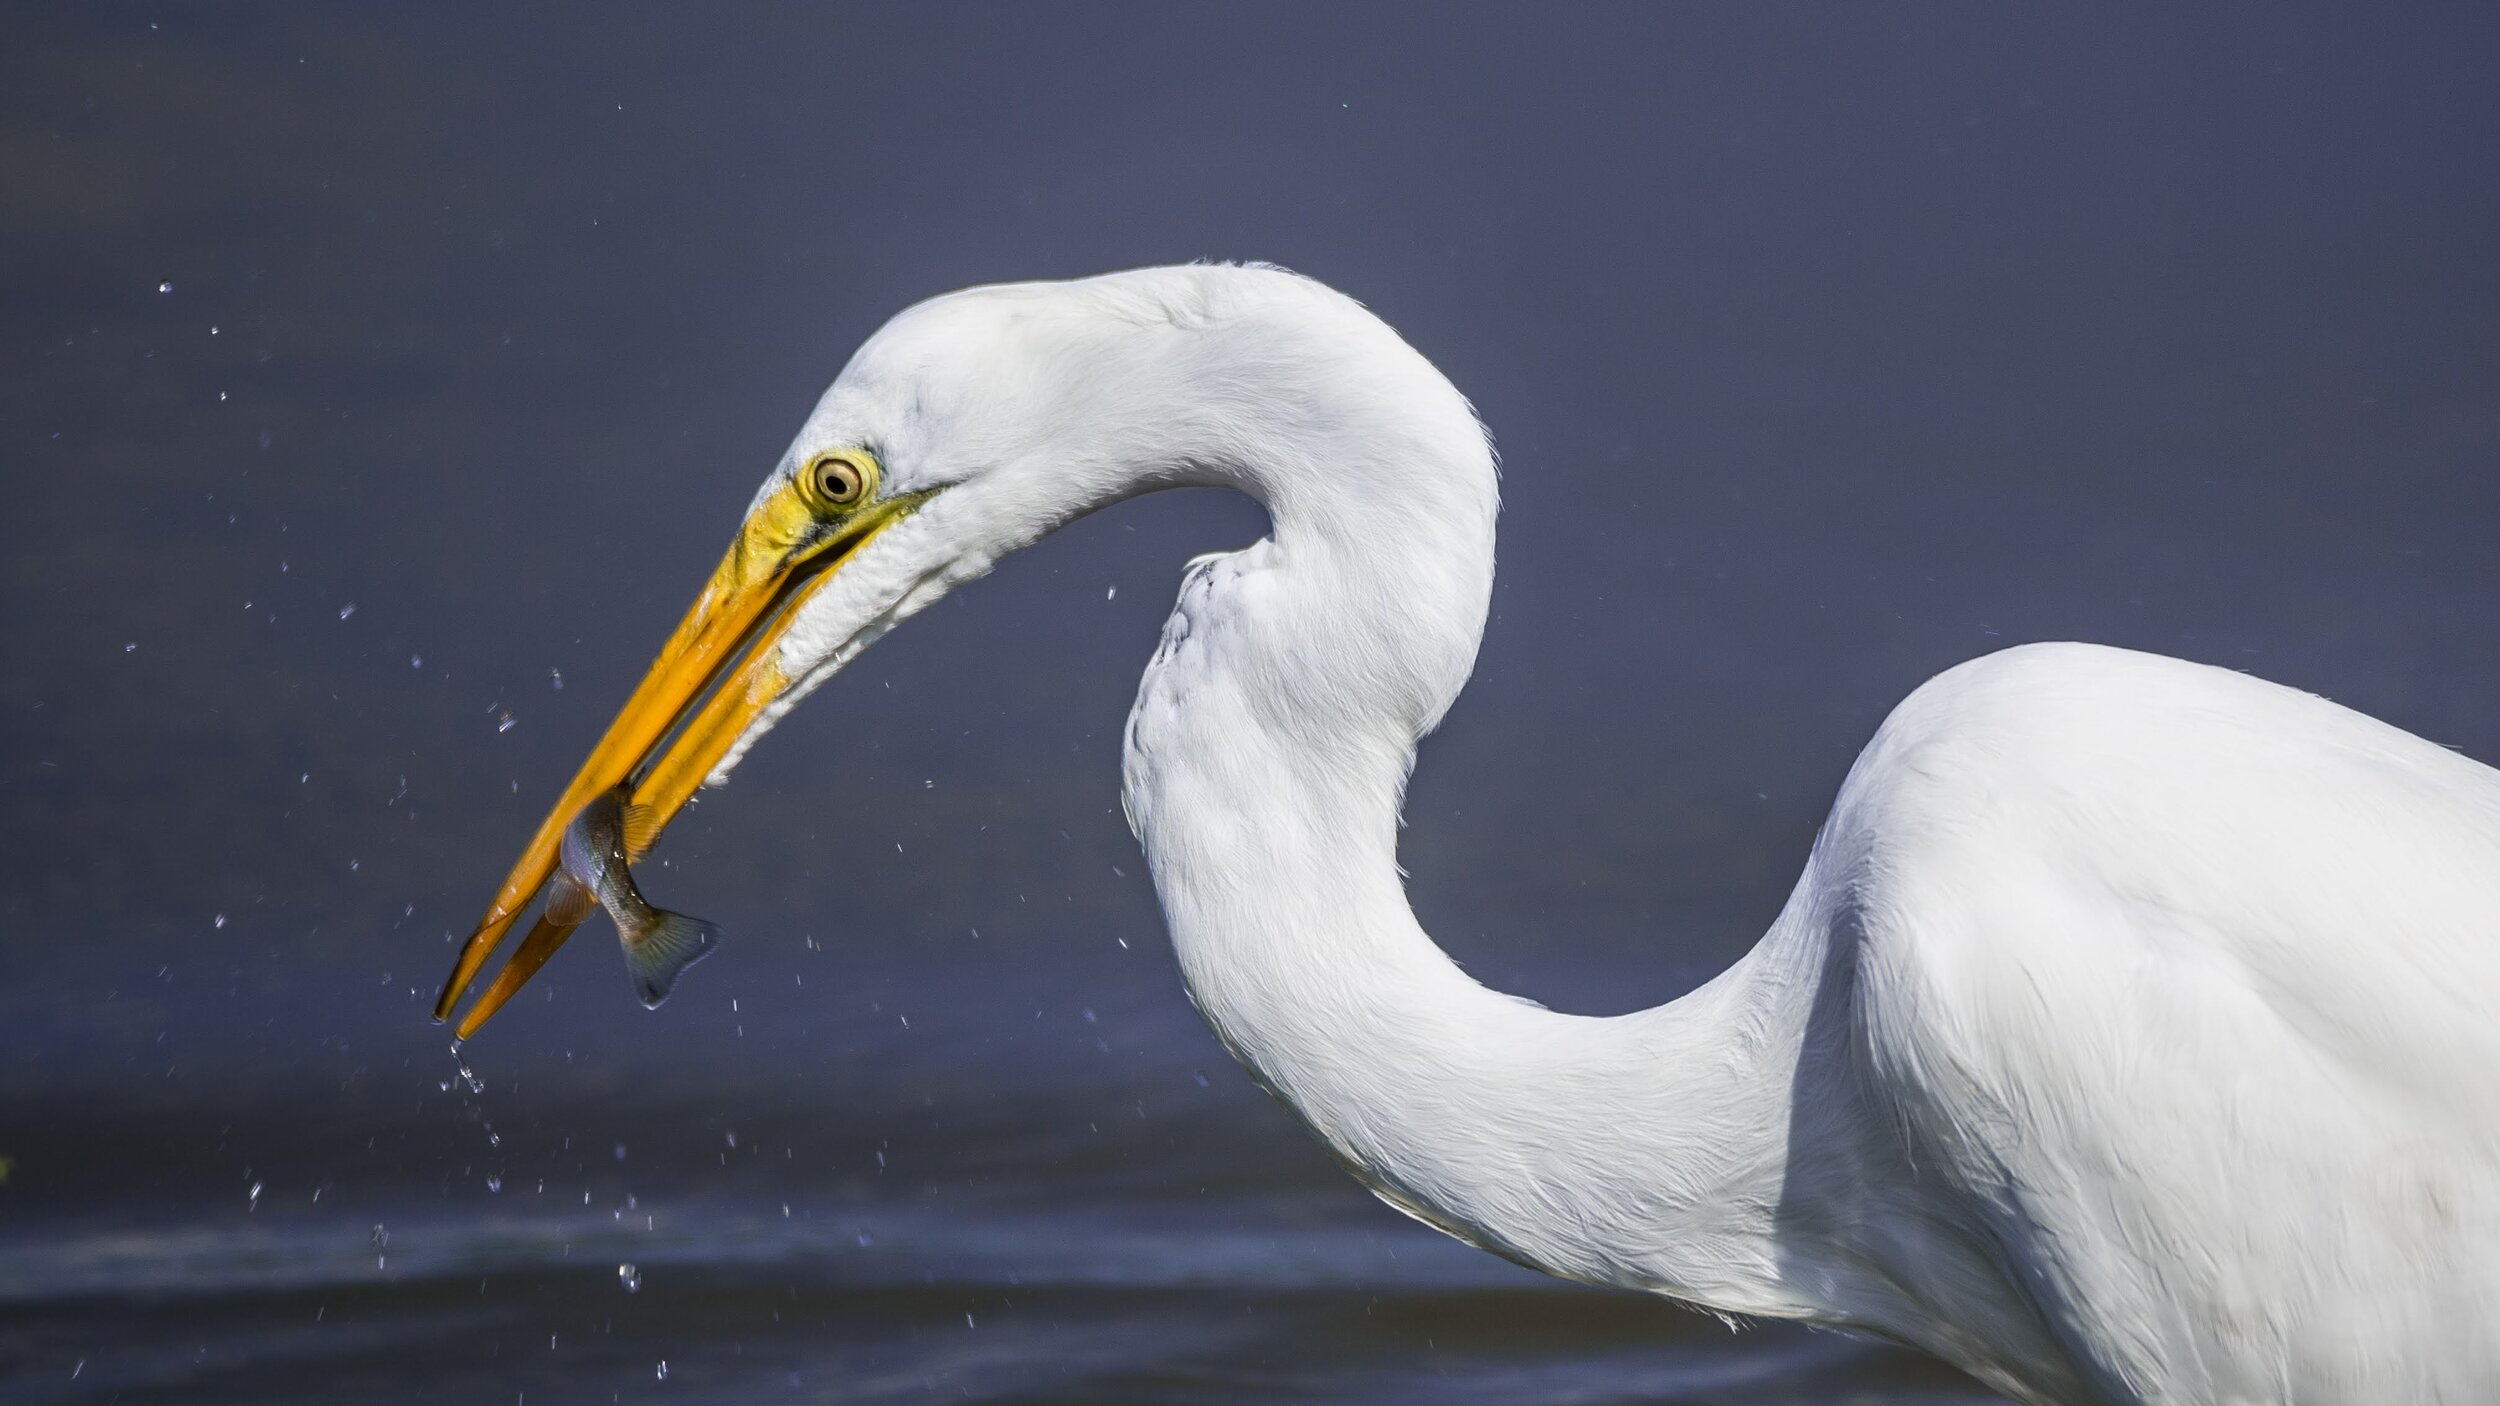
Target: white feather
<point>2129,1036</point>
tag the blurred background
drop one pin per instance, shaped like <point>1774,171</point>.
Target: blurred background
<point>378,384</point>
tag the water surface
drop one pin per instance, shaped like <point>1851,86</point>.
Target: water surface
<point>377,386</point>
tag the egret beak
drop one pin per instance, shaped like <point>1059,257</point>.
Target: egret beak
<point>785,552</point>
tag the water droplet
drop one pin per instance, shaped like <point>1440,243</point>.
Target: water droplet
<point>416,661</point>
<point>347,610</point>
<point>504,723</point>
<point>214,329</point>
<point>494,1184</point>
<point>1112,594</point>
<point>165,287</point>
<point>381,1235</point>
<point>733,1139</point>
<point>630,1279</point>
<point>255,1196</point>
<point>219,921</point>
<point>1202,1078</point>
<point>866,1239</point>
<point>556,678</point>
<point>131,648</point>
<point>663,1369</point>
<point>620,1152</point>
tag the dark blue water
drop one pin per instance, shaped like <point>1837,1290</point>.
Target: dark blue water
<point>1009,1198</point>
<point>376,386</point>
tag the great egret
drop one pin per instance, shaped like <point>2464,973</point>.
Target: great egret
<point>2129,1036</point>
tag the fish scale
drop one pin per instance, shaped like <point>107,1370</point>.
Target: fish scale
<point>592,870</point>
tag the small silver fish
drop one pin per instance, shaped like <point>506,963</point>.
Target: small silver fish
<point>658,943</point>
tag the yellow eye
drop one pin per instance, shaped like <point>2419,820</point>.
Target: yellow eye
<point>838,480</point>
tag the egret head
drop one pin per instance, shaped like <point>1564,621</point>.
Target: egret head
<point>968,426</point>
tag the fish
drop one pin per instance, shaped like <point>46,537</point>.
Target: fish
<point>592,872</point>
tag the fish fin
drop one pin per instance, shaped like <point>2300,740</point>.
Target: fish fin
<point>655,955</point>
<point>642,830</point>
<point>569,903</point>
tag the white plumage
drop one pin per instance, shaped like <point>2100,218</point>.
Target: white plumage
<point>2128,1037</point>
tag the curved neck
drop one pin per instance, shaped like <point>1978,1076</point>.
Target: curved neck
<point>1648,1150</point>
<point>1266,759</point>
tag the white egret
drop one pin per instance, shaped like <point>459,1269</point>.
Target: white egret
<point>2129,1037</point>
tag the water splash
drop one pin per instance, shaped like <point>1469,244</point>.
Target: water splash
<point>468,1076</point>
<point>629,1279</point>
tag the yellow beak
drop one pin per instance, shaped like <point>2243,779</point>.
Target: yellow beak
<point>784,553</point>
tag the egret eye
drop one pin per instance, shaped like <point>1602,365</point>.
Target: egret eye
<point>836,481</point>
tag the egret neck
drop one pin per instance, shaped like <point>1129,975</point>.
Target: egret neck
<point>1266,759</point>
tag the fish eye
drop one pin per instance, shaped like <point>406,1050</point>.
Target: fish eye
<point>836,480</point>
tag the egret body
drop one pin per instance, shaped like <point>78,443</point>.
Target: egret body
<point>2129,1036</point>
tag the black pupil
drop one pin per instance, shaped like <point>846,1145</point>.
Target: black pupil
<point>835,480</point>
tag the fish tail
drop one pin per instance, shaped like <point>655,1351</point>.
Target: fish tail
<point>655,952</point>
